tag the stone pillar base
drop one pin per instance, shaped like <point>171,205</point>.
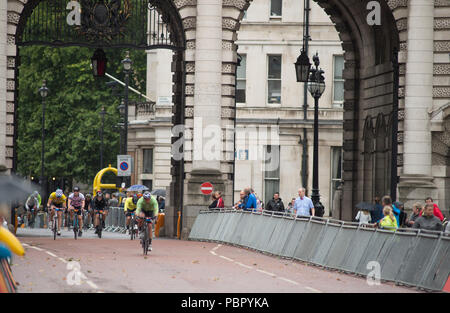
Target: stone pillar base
<point>194,200</point>
<point>415,188</point>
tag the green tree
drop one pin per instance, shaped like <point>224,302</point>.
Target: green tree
<point>72,120</point>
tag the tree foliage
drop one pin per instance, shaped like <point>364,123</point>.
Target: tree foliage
<point>72,119</point>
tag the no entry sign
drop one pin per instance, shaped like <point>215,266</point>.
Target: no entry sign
<point>206,188</point>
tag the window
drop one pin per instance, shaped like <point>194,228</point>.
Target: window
<point>148,161</point>
<point>276,7</point>
<point>245,15</point>
<point>338,81</point>
<point>274,79</point>
<point>336,172</point>
<point>241,80</point>
<point>271,171</point>
<point>148,183</point>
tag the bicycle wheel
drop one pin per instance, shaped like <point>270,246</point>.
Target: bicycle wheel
<point>145,243</point>
<point>75,227</point>
<point>132,231</point>
<point>55,226</point>
<point>99,226</point>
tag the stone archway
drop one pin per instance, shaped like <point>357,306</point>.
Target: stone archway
<point>369,53</point>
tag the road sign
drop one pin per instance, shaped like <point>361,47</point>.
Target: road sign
<point>206,188</point>
<point>124,165</point>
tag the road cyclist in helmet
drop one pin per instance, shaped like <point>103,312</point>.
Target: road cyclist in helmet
<point>56,203</point>
<point>129,209</point>
<point>99,204</point>
<point>147,207</point>
<point>76,205</point>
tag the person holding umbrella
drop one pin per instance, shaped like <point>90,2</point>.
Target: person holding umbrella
<point>363,216</point>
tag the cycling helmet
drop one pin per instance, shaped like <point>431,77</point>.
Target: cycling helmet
<point>35,193</point>
<point>88,195</point>
<point>147,195</point>
<point>58,193</point>
<point>135,199</point>
<point>100,193</point>
<point>76,188</point>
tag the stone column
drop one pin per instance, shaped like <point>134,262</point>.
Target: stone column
<point>206,132</point>
<point>416,179</point>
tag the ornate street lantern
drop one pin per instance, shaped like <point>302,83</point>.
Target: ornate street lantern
<point>302,67</point>
<point>99,62</point>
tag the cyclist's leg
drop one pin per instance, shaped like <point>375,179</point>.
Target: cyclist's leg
<point>80,219</point>
<point>59,219</point>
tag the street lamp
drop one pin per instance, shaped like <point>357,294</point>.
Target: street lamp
<point>102,114</point>
<point>126,69</point>
<point>98,63</point>
<point>43,91</point>
<point>316,87</point>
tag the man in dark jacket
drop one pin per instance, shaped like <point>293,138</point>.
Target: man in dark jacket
<point>428,221</point>
<point>276,204</point>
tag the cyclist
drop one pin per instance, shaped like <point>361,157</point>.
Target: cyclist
<point>99,203</point>
<point>76,202</point>
<point>32,205</point>
<point>129,208</point>
<point>88,207</point>
<point>57,200</point>
<point>147,206</point>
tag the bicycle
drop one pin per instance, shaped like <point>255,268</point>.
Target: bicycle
<point>55,223</point>
<point>85,217</point>
<point>133,226</point>
<point>100,223</point>
<point>147,240</point>
<point>75,223</point>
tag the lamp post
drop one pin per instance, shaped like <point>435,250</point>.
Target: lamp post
<point>126,70</point>
<point>102,114</point>
<point>316,86</point>
<point>43,91</point>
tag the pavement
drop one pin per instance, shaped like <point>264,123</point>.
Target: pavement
<point>114,263</point>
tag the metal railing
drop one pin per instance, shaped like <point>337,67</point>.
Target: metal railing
<point>411,257</point>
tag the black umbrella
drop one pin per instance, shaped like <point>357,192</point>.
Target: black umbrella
<point>159,192</point>
<point>366,206</point>
<point>14,188</point>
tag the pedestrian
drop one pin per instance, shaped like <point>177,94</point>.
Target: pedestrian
<point>377,213</point>
<point>417,211</point>
<point>276,204</point>
<point>250,200</point>
<point>113,202</point>
<point>388,221</point>
<point>217,200</point>
<point>387,201</point>
<point>161,203</point>
<point>363,217</point>
<point>428,220</point>
<point>240,203</point>
<point>303,205</point>
<point>402,215</point>
<point>290,207</point>
<point>436,211</point>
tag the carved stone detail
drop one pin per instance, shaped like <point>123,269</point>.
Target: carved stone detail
<point>13,18</point>
<point>229,23</point>
<point>240,4</point>
<point>393,4</point>
<point>183,3</point>
<point>441,92</point>
<point>11,62</point>
<point>189,23</point>
<point>189,112</point>
<point>442,23</point>
<point>441,69</point>
<point>442,46</point>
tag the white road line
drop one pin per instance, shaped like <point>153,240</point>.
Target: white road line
<point>313,290</point>
<point>267,273</point>
<point>243,265</point>
<point>62,260</point>
<point>36,248</point>
<point>49,253</point>
<point>224,257</point>
<point>212,252</point>
<point>92,284</point>
<point>215,248</point>
<point>288,280</point>
<point>25,244</point>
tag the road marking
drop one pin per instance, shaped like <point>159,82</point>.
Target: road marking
<point>243,265</point>
<point>212,252</point>
<point>267,273</point>
<point>92,284</point>
<point>62,260</point>
<point>313,290</point>
<point>224,257</point>
<point>288,280</point>
<point>49,253</point>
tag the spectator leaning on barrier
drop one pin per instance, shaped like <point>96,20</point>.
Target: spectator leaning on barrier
<point>388,221</point>
<point>113,202</point>
<point>249,200</point>
<point>387,201</point>
<point>303,205</point>
<point>290,207</point>
<point>363,217</point>
<point>240,203</point>
<point>377,213</point>
<point>276,204</point>
<point>402,215</point>
<point>217,200</point>
<point>417,211</point>
<point>428,221</point>
<point>436,211</point>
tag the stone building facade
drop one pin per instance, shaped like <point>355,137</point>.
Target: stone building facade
<point>204,90</point>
